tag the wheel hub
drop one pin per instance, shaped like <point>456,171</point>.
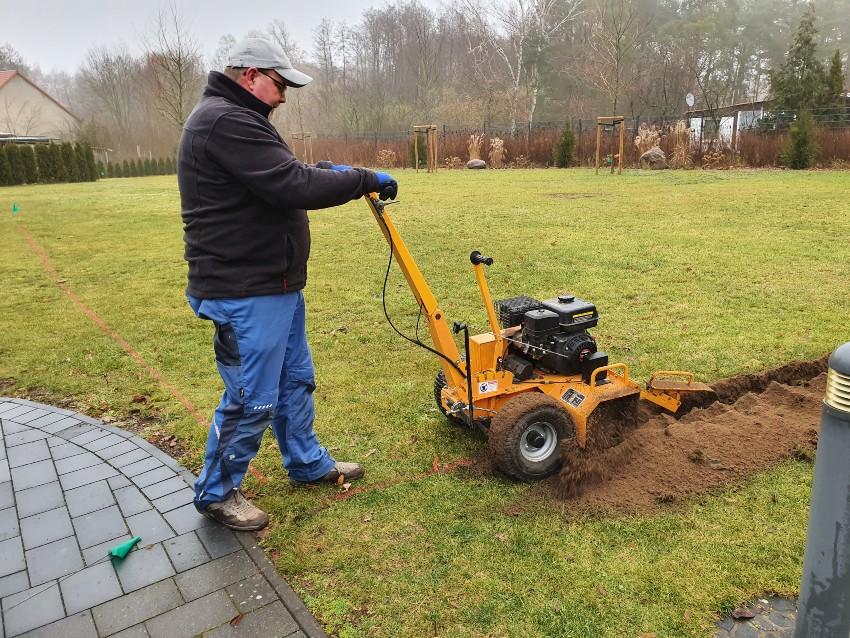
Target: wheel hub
<point>538,442</point>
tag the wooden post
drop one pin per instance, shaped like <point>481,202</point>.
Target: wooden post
<point>622,144</point>
<point>598,141</point>
<point>416,148</point>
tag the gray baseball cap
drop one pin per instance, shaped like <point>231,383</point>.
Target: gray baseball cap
<point>265,54</point>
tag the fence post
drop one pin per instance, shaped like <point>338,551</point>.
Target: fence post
<point>823,610</point>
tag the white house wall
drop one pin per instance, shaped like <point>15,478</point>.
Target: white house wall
<point>24,110</point>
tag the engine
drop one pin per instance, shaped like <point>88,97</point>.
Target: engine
<point>554,336</point>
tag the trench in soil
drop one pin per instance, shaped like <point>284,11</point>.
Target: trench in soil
<point>645,463</point>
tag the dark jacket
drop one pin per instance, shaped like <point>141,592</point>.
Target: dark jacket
<point>243,196</point>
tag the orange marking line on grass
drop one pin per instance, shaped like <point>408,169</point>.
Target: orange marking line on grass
<point>117,338</point>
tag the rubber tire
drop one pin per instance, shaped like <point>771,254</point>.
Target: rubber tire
<point>507,428</point>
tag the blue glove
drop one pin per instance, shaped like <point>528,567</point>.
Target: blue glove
<point>387,186</point>
<point>340,167</point>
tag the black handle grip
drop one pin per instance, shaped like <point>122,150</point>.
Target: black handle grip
<point>477,258</point>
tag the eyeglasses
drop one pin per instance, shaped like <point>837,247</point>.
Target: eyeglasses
<point>280,85</point>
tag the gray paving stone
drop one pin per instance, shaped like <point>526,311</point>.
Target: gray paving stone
<point>21,438</point>
<point>119,481</point>
<point>5,406</point>
<point>86,476</point>
<point>13,427</point>
<point>138,631</point>
<point>218,540</point>
<point>91,435</point>
<point>216,574</point>
<point>13,583</point>
<point>117,450</point>
<point>7,497</point>
<point>64,450</point>
<point>140,467</point>
<point>39,499</point>
<point>60,425</point>
<point>271,621</point>
<point>28,453</point>
<point>98,527</point>
<point>193,618</point>
<point>77,626</point>
<point>46,527</point>
<point>2,448</point>
<point>75,430</point>
<point>131,500</point>
<point>89,498</point>
<point>9,527</point>
<point>136,607</point>
<point>186,551</point>
<point>33,474</point>
<point>77,462</point>
<point>91,586</point>
<point>97,553</point>
<point>144,567</point>
<point>5,472</point>
<point>251,593</point>
<point>53,560</point>
<point>150,526</point>
<point>47,419</point>
<point>11,556</point>
<point>186,518</point>
<point>174,500</point>
<point>166,487</point>
<point>19,410</point>
<point>131,456</point>
<point>108,441</point>
<point>32,608</point>
<point>37,413</point>
<point>158,475</point>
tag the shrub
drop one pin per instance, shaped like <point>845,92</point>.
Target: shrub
<point>69,161</point>
<point>386,158</point>
<point>565,148</point>
<point>801,148</point>
<point>146,167</point>
<point>110,170</point>
<point>125,169</point>
<point>29,164</point>
<point>46,170</point>
<point>16,168</point>
<point>60,171</point>
<point>454,162</point>
<point>101,169</point>
<point>5,169</point>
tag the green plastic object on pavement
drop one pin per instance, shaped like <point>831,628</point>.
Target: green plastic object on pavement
<point>121,551</point>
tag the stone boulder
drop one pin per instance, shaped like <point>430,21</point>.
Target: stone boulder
<point>653,159</point>
<point>476,163</point>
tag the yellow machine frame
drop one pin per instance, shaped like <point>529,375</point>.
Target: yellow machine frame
<point>492,387</point>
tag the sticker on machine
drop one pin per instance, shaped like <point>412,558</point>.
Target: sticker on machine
<point>486,387</point>
<point>572,397</point>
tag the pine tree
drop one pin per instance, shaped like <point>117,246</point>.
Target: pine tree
<point>101,169</point>
<point>80,162</point>
<point>88,153</point>
<point>5,169</point>
<point>835,80</point>
<point>29,164</point>
<point>46,170</point>
<point>60,171</point>
<point>802,148</point>
<point>565,148</point>
<point>110,169</point>
<point>800,83</point>
<point>125,169</point>
<point>16,167</point>
<point>69,160</point>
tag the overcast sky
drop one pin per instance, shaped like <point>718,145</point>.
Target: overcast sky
<point>55,34</point>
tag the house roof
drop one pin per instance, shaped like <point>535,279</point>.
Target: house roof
<point>6,76</point>
<point>728,109</point>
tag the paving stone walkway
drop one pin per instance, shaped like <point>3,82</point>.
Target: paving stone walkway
<point>774,618</point>
<point>71,488</point>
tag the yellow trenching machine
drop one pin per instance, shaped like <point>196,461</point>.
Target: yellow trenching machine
<point>536,379</point>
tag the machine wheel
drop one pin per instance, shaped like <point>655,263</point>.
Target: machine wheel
<point>525,436</point>
<point>440,383</point>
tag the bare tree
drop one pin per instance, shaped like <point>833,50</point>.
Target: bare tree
<point>222,52</point>
<point>110,77</point>
<point>176,66</point>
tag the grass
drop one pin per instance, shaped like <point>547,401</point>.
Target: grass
<point>716,272</point>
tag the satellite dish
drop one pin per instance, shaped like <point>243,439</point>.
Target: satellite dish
<point>689,98</point>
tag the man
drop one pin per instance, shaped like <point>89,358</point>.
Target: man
<point>243,197</point>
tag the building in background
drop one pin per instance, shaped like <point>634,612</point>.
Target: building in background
<point>27,111</point>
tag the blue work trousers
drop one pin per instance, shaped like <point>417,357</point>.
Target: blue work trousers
<point>262,355</point>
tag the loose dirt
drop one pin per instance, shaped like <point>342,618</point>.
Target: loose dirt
<point>657,459</point>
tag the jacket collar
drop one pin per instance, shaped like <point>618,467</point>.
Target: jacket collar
<point>219,85</point>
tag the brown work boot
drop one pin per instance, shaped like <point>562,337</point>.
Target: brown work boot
<point>348,471</point>
<point>237,512</point>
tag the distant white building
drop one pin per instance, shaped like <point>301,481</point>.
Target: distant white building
<point>724,123</point>
<point>27,111</point>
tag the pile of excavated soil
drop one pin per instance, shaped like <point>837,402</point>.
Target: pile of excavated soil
<point>755,422</point>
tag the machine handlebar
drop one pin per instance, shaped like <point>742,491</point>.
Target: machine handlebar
<point>477,258</point>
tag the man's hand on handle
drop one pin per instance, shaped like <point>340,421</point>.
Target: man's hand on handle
<point>387,186</point>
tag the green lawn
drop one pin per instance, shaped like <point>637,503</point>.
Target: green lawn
<point>716,272</point>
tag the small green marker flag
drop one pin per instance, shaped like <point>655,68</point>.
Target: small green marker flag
<point>121,551</point>
<point>15,209</point>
